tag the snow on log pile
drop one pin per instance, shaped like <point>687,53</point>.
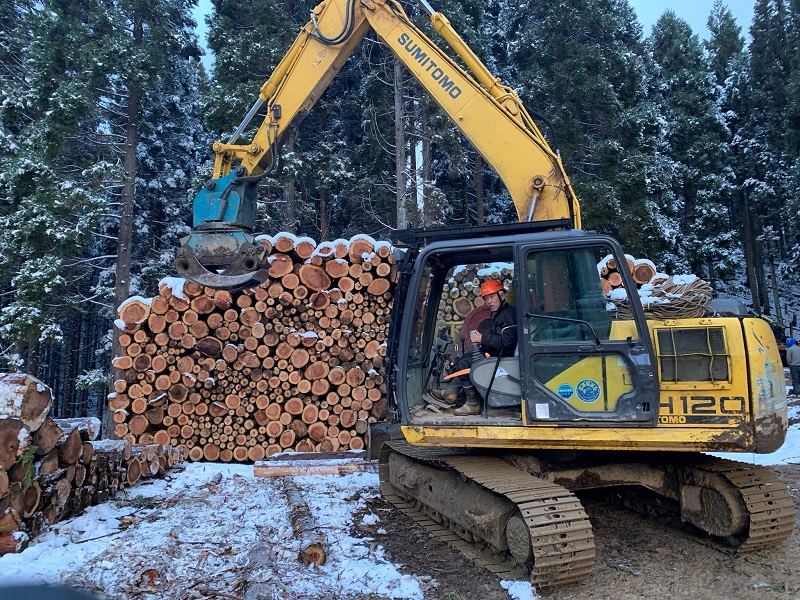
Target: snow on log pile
<point>52,469</point>
<point>291,365</point>
<point>662,296</point>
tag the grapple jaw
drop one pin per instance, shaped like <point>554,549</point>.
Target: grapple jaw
<point>244,268</point>
<point>221,252</point>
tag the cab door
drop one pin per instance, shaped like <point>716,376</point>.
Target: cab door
<point>582,359</point>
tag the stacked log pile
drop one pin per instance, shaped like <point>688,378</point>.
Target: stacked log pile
<point>52,469</point>
<point>644,272</point>
<point>662,296</point>
<point>291,365</point>
<point>462,292</point>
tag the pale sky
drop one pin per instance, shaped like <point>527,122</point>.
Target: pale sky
<point>694,12</point>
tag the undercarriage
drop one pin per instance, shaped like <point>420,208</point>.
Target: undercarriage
<point>518,514</point>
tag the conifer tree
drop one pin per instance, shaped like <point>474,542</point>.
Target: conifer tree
<point>450,195</point>
<point>763,143</point>
<point>173,148</point>
<point>52,173</point>
<point>579,67</point>
<point>725,46</point>
<point>249,39</point>
<point>66,121</point>
<point>793,139</point>
<point>701,182</point>
<point>793,80</point>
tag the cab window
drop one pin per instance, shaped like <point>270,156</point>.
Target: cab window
<point>566,297</point>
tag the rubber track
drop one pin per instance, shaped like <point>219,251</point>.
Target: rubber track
<point>560,531</point>
<point>766,497</point>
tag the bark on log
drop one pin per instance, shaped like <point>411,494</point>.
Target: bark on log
<point>298,467</point>
<point>88,427</point>
<point>26,398</point>
<point>13,543</point>
<point>10,520</point>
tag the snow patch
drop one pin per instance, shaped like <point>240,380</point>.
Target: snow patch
<point>141,299</point>
<point>683,279</point>
<point>175,284</point>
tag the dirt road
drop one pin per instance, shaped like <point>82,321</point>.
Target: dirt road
<point>636,558</point>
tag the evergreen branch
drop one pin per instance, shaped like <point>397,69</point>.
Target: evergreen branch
<point>15,73</point>
<point>90,259</point>
<point>107,106</point>
<point>103,305</point>
<point>105,236</point>
<point>92,299</point>
<point>101,136</point>
<point>106,92</point>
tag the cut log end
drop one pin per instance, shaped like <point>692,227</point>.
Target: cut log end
<point>313,554</point>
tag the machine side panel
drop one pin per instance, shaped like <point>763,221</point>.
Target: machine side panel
<point>767,386</point>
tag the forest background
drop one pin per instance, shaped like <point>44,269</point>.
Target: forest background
<point>686,150</point>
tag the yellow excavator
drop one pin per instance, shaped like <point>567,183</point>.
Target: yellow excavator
<point>589,400</point>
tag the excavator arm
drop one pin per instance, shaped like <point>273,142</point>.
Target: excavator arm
<point>221,251</point>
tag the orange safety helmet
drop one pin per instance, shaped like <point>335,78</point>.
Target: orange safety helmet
<point>491,287</point>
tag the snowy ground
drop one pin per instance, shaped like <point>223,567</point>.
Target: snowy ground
<point>214,530</point>
<point>210,529</point>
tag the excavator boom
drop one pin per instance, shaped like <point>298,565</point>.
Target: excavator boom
<point>221,251</point>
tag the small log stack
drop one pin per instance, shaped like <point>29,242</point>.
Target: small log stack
<point>643,271</point>
<point>462,292</point>
<point>52,469</point>
<point>662,296</point>
<point>291,365</point>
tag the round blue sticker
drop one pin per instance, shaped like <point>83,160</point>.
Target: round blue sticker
<point>565,390</point>
<point>588,390</point>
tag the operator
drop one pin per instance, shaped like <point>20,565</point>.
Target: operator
<point>494,342</point>
<point>793,360</point>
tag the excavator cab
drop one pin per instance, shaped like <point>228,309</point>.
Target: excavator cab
<point>577,363</point>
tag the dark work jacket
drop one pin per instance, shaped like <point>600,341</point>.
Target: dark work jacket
<point>492,342</point>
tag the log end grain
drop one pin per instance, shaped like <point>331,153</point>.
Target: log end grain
<point>314,278</point>
<point>134,311</point>
<point>313,554</point>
